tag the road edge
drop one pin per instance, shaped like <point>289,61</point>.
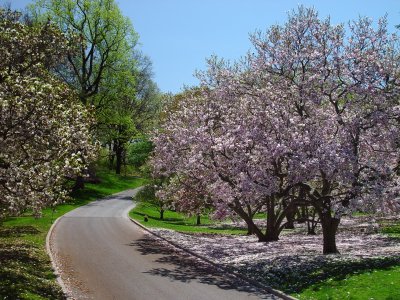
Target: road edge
<point>59,280</point>
<point>52,260</point>
<point>229,270</point>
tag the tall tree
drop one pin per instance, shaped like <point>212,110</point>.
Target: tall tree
<point>133,101</point>
<point>102,39</point>
<point>100,63</point>
<point>105,68</point>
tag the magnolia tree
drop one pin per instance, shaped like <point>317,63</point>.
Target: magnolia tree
<point>196,148</point>
<point>309,119</point>
<point>44,133</point>
<point>343,90</point>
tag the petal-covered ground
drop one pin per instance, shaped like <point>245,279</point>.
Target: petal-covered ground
<point>295,260</point>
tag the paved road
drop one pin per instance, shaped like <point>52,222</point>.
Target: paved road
<point>101,254</point>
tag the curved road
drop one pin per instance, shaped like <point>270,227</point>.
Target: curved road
<point>101,254</point>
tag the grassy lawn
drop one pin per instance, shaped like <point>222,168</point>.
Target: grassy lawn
<point>180,222</point>
<point>25,271</point>
<point>378,284</point>
<point>392,230</point>
<point>375,284</point>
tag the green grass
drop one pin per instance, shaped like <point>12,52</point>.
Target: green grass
<point>180,222</point>
<point>26,271</point>
<point>376,284</point>
<point>378,281</point>
<point>392,230</point>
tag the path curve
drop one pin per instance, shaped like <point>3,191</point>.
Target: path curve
<point>100,254</point>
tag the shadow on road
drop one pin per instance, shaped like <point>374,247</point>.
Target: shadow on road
<point>183,267</point>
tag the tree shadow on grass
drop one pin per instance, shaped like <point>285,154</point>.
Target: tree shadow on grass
<point>17,231</point>
<point>292,274</point>
<point>83,196</point>
<point>24,272</point>
<point>180,266</point>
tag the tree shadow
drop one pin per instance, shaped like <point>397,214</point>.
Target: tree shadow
<point>22,273</point>
<point>180,266</point>
<point>292,274</point>
<point>17,231</point>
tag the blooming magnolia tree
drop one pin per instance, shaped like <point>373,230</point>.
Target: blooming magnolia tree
<point>44,133</point>
<point>343,90</point>
<point>309,119</point>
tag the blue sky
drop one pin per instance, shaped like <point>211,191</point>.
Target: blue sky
<point>178,35</point>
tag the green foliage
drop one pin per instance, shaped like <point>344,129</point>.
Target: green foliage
<point>102,37</point>
<point>25,271</point>
<point>105,68</point>
<point>147,195</point>
<point>139,152</point>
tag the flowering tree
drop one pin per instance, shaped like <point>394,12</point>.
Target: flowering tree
<point>194,146</point>
<point>309,119</point>
<point>43,128</point>
<point>344,90</point>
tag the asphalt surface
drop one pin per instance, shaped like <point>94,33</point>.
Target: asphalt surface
<point>101,254</point>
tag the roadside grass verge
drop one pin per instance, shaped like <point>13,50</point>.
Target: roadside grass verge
<point>369,279</point>
<point>371,284</point>
<point>26,271</point>
<point>180,222</point>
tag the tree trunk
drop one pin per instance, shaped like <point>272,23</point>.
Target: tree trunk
<point>110,156</point>
<point>329,229</point>
<point>272,233</point>
<point>250,230</point>
<point>311,227</point>
<point>118,153</point>
<point>251,227</point>
<point>250,224</point>
<point>311,224</point>
<point>290,215</point>
<point>198,219</point>
<point>79,184</point>
<point>161,214</point>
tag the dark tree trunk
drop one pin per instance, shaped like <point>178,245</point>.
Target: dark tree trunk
<point>198,220</point>
<point>161,214</point>
<point>118,154</point>
<point>79,184</point>
<point>290,216</point>
<point>250,230</point>
<point>311,223</point>
<point>311,228</point>
<point>329,229</point>
<point>272,233</point>
<point>251,227</point>
<point>111,156</point>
